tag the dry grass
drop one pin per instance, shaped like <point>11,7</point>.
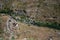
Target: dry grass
<point>4,19</point>
<point>35,33</point>
<point>32,32</point>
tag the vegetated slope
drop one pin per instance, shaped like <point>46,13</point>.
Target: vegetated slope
<point>30,32</point>
<point>38,10</point>
<point>41,10</point>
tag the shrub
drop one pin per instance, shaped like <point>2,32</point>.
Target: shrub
<point>53,25</point>
<point>6,11</point>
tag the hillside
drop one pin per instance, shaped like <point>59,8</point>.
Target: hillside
<point>29,19</point>
<point>41,10</point>
<point>28,32</point>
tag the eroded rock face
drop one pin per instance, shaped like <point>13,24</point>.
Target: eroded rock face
<point>11,29</point>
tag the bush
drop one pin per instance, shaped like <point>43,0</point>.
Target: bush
<point>38,23</point>
<point>6,11</point>
<point>53,25</point>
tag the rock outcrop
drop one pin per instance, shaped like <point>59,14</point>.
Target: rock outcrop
<point>10,29</point>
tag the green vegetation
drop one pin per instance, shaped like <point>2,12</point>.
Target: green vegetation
<point>13,38</point>
<point>6,11</point>
<point>1,38</point>
<point>1,30</point>
<point>30,38</point>
<point>28,21</point>
<point>0,20</point>
<point>53,25</point>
